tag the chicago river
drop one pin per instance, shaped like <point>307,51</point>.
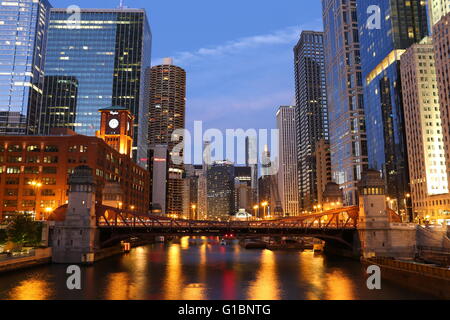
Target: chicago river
<point>203,271</point>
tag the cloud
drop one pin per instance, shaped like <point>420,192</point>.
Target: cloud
<point>279,37</point>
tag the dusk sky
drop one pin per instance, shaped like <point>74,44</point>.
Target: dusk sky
<point>238,54</point>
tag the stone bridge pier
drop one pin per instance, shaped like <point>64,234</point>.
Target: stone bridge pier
<point>75,239</point>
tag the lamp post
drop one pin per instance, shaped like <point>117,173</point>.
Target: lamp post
<point>409,213</point>
<point>264,205</point>
<point>193,212</point>
<point>36,185</point>
<point>256,207</point>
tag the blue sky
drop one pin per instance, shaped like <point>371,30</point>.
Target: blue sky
<point>238,54</point>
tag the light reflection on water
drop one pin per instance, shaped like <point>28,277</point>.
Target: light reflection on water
<point>201,271</point>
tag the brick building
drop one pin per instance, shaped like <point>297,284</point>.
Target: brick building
<point>34,172</point>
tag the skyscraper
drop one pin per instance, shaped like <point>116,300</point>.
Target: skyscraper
<point>106,53</point>
<point>441,42</point>
<point>23,31</point>
<point>401,24</point>
<point>438,9</point>
<point>311,114</point>
<point>348,144</point>
<point>167,110</point>
<point>426,154</point>
<point>287,173</point>
<point>220,180</point>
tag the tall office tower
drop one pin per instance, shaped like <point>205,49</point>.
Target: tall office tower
<point>401,24</point>
<point>323,167</point>
<point>23,32</point>
<point>441,41</point>
<point>251,160</point>
<point>311,114</point>
<point>243,193</point>
<point>266,165</point>
<point>348,143</point>
<point>167,111</point>
<point>437,10</point>
<point>220,180</point>
<point>60,100</point>
<point>202,194</point>
<point>106,53</point>
<point>426,155</point>
<point>287,173</point>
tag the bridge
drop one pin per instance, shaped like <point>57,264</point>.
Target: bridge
<point>84,226</point>
<point>114,225</point>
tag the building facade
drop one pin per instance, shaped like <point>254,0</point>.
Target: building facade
<point>323,167</point>
<point>34,172</point>
<point>220,189</point>
<point>437,9</point>
<point>347,136</point>
<point>426,154</point>
<point>106,53</point>
<point>311,113</point>
<point>287,173</point>
<point>23,33</point>
<point>441,42</point>
<point>167,111</point>
<point>401,24</point>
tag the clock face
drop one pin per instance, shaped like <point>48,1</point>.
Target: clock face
<point>113,123</point>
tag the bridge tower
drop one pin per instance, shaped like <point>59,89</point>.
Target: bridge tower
<point>74,240</point>
<point>378,235</point>
<point>373,223</point>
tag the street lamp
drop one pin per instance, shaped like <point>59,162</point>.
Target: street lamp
<point>256,207</point>
<point>36,185</point>
<point>193,212</point>
<point>264,205</point>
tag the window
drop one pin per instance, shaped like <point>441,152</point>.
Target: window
<point>48,181</point>
<point>33,159</point>
<point>51,149</point>
<point>13,170</point>
<point>11,192</point>
<point>51,159</point>
<point>12,181</point>
<point>31,170</point>
<point>50,170</point>
<point>29,193</point>
<point>48,193</point>
<point>34,148</point>
<point>10,203</point>
<point>14,159</point>
<point>15,148</point>
<point>28,203</point>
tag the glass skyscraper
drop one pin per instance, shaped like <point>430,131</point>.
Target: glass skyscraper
<point>402,23</point>
<point>348,144</point>
<point>311,113</point>
<point>23,29</point>
<point>102,58</point>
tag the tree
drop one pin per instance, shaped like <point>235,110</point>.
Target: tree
<point>24,231</point>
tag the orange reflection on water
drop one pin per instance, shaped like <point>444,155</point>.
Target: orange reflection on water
<point>311,273</point>
<point>266,286</point>
<point>174,279</point>
<point>339,287</point>
<point>120,287</point>
<point>31,290</point>
<point>329,285</point>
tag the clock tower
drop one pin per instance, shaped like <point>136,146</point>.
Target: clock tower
<point>116,128</point>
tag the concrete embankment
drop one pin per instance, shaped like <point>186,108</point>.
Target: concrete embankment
<point>35,258</point>
<point>428,279</point>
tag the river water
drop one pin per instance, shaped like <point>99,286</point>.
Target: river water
<point>204,271</point>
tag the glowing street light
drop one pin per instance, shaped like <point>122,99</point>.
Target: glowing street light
<point>193,211</point>
<point>36,185</point>
<point>264,205</point>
